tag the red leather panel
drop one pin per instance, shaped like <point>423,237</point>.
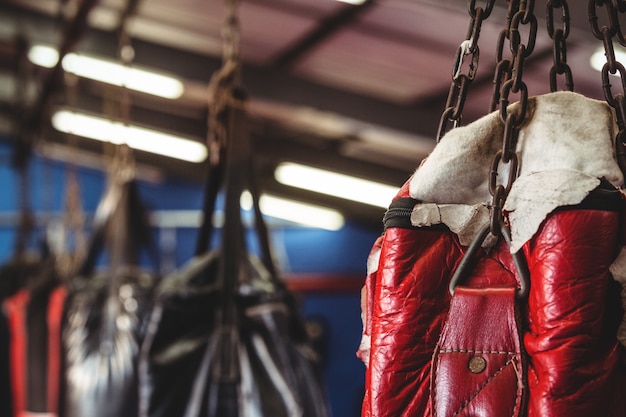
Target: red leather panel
<point>570,341</point>
<point>477,367</point>
<point>570,318</point>
<point>367,306</point>
<point>15,307</point>
<point>55,316</point>
<point>410,303</point>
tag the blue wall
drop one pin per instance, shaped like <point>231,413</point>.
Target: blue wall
<point>298,250</point>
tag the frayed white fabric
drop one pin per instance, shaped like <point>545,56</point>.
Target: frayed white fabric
<point>536,195</point>
<point>551,189</point>
<point>566,134</point>
<point>462,219</point>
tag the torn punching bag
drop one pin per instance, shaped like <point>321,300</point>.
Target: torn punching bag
<point>225,338</point>
<point>566,214</point>
<point>107,308</point>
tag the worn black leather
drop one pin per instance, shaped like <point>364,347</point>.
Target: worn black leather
<point>106,311</point>
<point>274,368</point>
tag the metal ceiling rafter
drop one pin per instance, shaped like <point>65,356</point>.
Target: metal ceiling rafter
<point>293,89</point>
<point>72,33</point>
<point>326,28</point>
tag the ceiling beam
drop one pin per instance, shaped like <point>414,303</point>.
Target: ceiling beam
<point>322,31</point>
<point>265,83</point>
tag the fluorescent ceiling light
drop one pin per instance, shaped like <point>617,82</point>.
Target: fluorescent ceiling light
<point>598,59</point>
<point>109,72</point>
<point>335,184</point>
<point>355,2</point>
<point>295,211</point>
<point>136,137</point>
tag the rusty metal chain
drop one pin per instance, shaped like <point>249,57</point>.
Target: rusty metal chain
<point>607,33</point>
<point>220,99</point>
<point>221,83</point>
<point>123,165</point>
<point>231,31</point>
<point>508,80</point>
<point>503,66</point>
<point>74,219</point>
<point>559,36</point>
<point>468,51</point>
<point>126,55</point>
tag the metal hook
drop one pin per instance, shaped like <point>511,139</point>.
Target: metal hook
<point>518,260</point>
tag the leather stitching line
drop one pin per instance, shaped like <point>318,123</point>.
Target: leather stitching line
<point>435,385</point>
<point>469,400</point>
<point>498,352</point>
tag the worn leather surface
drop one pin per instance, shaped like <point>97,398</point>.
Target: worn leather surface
<point>478,366</point>
<point>275,369</point>
<point>575,363</point>
<point>573,313</point>
<point>101,337</point>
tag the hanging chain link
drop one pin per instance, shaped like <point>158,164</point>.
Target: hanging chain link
<point>220,100</point>
<point>123,164</point>
<point>559,36</point>
<point>221,83</point>
<point>231,32</point>
<point>461,81</point>
<point>508,80</point>
<point>503,65</point>
<point>126,55</point>
<point>612,67</point>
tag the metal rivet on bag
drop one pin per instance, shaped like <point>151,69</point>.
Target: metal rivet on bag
<point>477,364</point>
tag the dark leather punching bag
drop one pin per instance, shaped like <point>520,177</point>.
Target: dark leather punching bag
<point>225,338</point>
<point>106,311</point>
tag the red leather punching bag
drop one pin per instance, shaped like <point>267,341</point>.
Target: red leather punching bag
<point>566,213</point>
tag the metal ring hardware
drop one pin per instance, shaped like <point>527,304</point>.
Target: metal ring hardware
<point>518,260</point>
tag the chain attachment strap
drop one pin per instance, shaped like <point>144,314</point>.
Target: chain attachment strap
<point>461,81</point>
<point>612,67</point>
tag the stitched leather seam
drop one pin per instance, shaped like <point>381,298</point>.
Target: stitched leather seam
<point>466,403</point>
<point>434,384</point>
<point>497,352</point>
